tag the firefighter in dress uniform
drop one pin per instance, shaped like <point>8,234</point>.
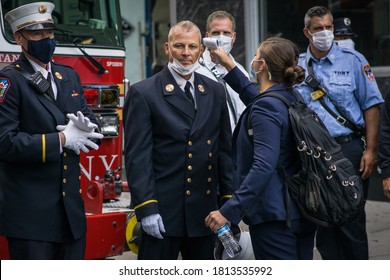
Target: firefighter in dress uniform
<point>177,152</point>
<point>44,123</point>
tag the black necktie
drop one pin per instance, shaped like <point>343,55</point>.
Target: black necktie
<point>188,93</point>
<point>50,90</point>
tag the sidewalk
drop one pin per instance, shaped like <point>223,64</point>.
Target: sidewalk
<point>378,229</point>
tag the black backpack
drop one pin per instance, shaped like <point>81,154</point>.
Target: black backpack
<point>326,189</point>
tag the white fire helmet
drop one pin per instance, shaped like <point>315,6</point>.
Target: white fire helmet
<point>244,239</point>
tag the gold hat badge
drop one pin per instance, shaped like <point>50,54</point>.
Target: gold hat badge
<point>42,9</point>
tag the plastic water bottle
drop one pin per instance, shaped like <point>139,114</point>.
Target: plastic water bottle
<point>228,241</point>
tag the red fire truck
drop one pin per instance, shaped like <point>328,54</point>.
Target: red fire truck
<point>89,39</point>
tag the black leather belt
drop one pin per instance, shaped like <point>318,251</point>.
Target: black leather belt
<point>346,138</point>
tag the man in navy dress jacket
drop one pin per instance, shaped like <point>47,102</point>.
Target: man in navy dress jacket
<point>177,152</point>
<point>41,209</point>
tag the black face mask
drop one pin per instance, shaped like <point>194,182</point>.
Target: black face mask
<point>42,50</point>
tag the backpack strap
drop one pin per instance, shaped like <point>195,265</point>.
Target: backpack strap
<point>269,94</point>
<point>280,169</point>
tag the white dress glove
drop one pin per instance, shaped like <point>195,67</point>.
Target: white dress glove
<point>153,225</point>
<point>82,122</point>
<point>77,139</point>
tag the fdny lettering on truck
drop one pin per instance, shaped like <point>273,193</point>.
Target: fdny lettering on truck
<point>103,159</point>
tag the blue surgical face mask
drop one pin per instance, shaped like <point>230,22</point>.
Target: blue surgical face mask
<point>253,72</point>
<point>42,50</point>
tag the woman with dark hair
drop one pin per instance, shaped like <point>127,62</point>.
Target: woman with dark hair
<point>261,199</point>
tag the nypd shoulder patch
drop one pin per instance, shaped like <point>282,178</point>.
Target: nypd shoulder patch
<point>368,72</point>
<point>4,86</point>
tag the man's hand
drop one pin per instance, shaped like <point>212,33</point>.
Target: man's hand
<point>153,225</point>
<point>82,122</point>
<point>386,187</point>
<point>367,164</point>
<point>77,139</point>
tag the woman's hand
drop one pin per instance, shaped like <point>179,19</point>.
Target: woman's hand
<point>222,57</point>
<point>215,221</point>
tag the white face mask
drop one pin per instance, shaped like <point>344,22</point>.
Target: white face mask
<point>323,40</point>
<point>225,42</point>
<point>347,43</point>
<point>184,70</point>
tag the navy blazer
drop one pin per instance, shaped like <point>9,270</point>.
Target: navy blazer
<point>178,161</point>
<point>260,196</point>
<point>40,197</point>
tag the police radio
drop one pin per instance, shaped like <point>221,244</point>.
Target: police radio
<point>38,81</point>
<point>318,92</point>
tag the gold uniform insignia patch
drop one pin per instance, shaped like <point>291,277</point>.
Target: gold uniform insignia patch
<point>58,75</point>
<point>169,87</point>
<point>201,88</point>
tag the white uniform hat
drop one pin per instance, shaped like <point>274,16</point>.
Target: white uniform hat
<point>34,16</point>
<point>244,239</point>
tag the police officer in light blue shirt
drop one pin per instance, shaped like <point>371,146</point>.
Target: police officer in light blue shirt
<point>347,100</point>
